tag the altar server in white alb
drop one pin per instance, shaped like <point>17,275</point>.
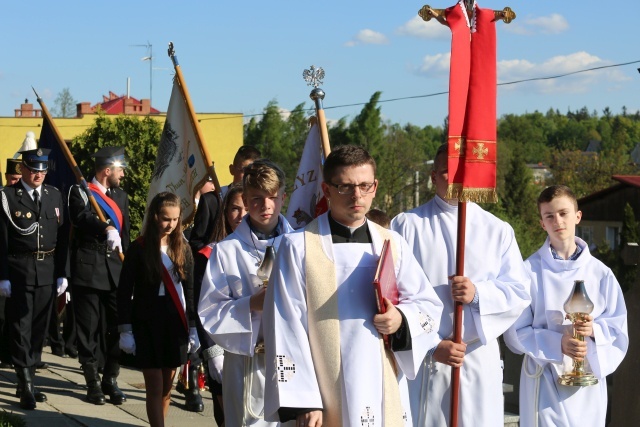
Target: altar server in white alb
<point>545,336</point>
<point>232,294</point>
<point>326,362</point>
<point>494,291</point>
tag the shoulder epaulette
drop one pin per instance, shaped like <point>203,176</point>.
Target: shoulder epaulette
<point>51,187</point>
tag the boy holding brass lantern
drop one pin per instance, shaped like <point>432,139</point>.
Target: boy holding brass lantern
<point>574,333</point>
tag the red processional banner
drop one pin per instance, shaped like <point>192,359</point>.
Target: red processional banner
<point>472,148</point>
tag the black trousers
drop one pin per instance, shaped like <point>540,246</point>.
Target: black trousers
<point>5,354</point>
<point>28,312</point>
<point>96,318</point>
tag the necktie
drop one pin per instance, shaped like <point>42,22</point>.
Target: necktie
<point>109,193</point>
<point>36,199</point>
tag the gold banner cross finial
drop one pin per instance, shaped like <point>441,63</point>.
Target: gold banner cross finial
<point>427,12</point>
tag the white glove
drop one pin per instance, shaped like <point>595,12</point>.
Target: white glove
<point>127,342</point>
<point>5,288</point>
<point>194,341</point>
<point>215,367</point>
<point>67,297</point>
<point>61,285</point>
<point>113,240</point>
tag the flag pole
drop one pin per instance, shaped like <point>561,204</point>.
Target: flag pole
<point>72,162</point>
<point>427,13</point>
<point>194,120</point>
<point>457,317</point>
<point>313,77</point>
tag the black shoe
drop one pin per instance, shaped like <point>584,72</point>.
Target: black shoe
<point>94,391</point>
<point>25,386</point>
<point>40,397</point>
<point>72,353</point>
<point>95,395</point>
<point>42,365</point>
<point>111,389</point>
<point>193,401</point>
<point>58,352</point>
<point>27,401</point>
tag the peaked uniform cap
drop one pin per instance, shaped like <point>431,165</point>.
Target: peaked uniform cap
<point>110,157</point>
<point>37,159</point>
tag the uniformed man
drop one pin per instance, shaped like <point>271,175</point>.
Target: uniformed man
<point>95,271</point>
<point>32,240</point>
<point>12,174</point>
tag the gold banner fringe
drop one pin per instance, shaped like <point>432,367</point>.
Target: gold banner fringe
<point>475,195</point>
<point>454,191</point>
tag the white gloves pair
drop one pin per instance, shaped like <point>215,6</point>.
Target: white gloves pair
<point>113,240</point>
<point>5,287</point>
<point>215,367</point>
<point>127,343</point>
<point>194,341</point>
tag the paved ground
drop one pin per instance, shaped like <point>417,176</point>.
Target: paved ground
<point>64,385</point>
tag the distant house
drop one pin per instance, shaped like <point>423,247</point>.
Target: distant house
<point>603,211</point>
<point>117,104</point>
<point>111,104</point>
<point>541,173</point>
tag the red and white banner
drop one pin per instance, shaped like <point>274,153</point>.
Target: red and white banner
<point>307,200</point>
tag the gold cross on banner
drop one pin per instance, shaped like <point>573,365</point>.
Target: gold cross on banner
<point>480,151</point>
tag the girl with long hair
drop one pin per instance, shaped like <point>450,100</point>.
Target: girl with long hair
<point>156,315</point>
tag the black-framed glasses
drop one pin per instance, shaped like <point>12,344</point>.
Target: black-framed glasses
<point>35,171</point>
<point>365,187</point>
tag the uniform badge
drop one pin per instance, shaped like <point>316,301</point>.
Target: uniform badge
<point>28,215</point>
<point>39,152</point>
<point>18,214</point>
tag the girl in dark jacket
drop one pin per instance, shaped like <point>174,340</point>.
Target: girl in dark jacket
<point>156,316</point>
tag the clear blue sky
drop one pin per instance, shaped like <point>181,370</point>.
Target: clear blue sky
<point>237,56</point>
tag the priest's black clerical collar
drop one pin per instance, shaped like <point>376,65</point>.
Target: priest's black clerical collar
<point>343,234</point>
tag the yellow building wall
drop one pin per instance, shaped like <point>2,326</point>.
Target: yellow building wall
<point>222,134</point>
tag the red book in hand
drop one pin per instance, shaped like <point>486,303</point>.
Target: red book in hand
<point>384,282</point>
